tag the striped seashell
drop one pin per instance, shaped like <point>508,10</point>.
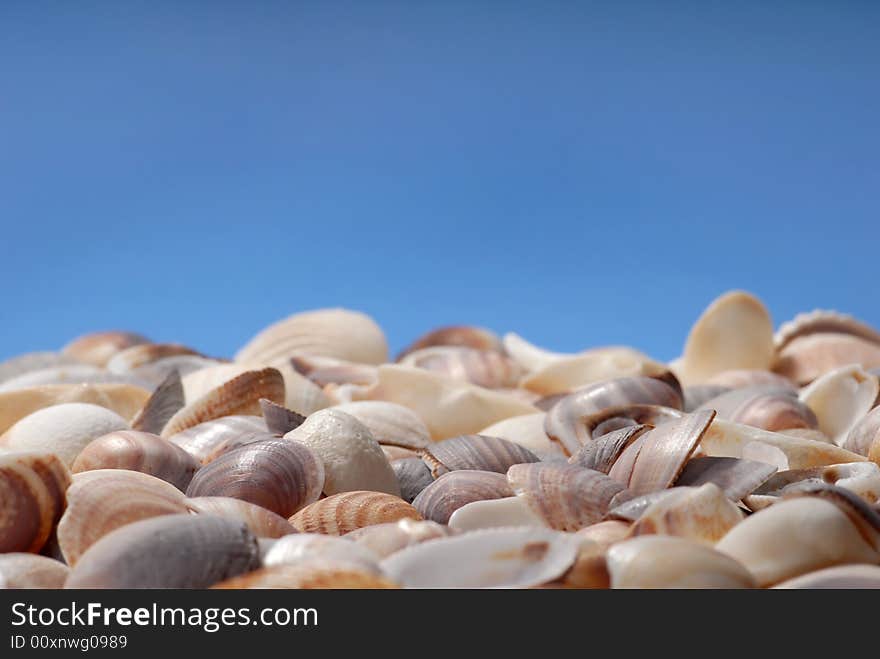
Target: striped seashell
<point>477,338</point>
<point>211,438</point>
<point>860,478</point>
<point>455,489</point>
<point>865,434</point>
<point>386,539</point>
<point>326,370</point>
<point>763,406</point>
<point>697,394</point>
<point>166,400</point>
<point>486,368</point>
<point>475,452</point>
<point>807,357</point>
<point>601,453</point>
<point>823,321</point>
<point>736,477</point>
<point>413,476</point>
<point>130,359</point>
<point>345,512</point>
<point>262,523</point>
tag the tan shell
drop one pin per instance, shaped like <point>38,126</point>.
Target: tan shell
<point>345,512</point>
<point>32,361</point>
<point>305,546</point>
<point>486,368</point>
<point>262,523</point>
<point>389,423</point>
<point>207,440</point>
<point>130,359</point>
<point>764,407</point>
<point>478,338</point>
<point>70,374</point>
<point>103,500</point>
<point>455,489</point>
<point>860,478</point>
<point>338,333</point>
<point>386,539</point>
<point>32,487</point>
<point>823,321</point>
<point>22,570</point>
<point>740,378</point>
<point>98,348</point>
<point>865,433</point>
<point>311,574</point>
<point>156,372</point>
<point>527,430</point>
<point>840,399</point>
<point>838,577</point>
<point>528,355</point>
<point>605,533</point>
<point>495,513</point>
<point>326,370</point>
<point>734,332</point>
<point>807,357</point>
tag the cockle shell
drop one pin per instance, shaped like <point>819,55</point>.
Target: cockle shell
<point>172,551</point>
<point>352,459</point>
<point>62,429</point>
<point>807,357</point>
<point>130,359</point>
<point>277,474</point>
<point>493,558</point>
<point>475,452</point>
<point>486,368</point>
<point>262,523</point>
<point>413,476</point>
<point>345,512</point>
<point>32,487</point>
<point>763,406</point>
<point>207,440</point>
<point>30,571</point>
<point>865,434</point>
<point>386,539</point>
<point>495,513</point>
<point>527,430</point>
<point>838,577</point>
<point>338,333</point>
<point>478,338</point>
<point>455,489</point>
<point>303,546</point>
<point>823,321</point>
<point>138,451</point>
<point>98,348</point>
<point>310,574</point>
<point>840,399</point>
<point>389,423</point>
<point>32,361</point>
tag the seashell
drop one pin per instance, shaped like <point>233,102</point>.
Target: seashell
<point>338,333</point>
<point>130,359</point>
<point>262,523</point>
<point>394,453</point>
<point>736,477</point>
<point>807,357</point>
<point>154,373</point>
<point>795,537</point>
<point>698,394</point>
<point>389,423</point>
<point>493,558</point>
<point>864,434</point>
<point>172,551</point>
<point>604,533</point>
<point>32,361</point>
<point>98,348</point>
<point>447,407</point>
<point>807,433</point>
<point>860,513</point>
<point>211,438</point>
<point>627,416</point>
<point>744,378</point>
<point>734,332</point>
<point>475,452</point>
<point>73,374</point>
<point>566,497</point>
<point>240,395</point>
<point>280,420</point>
<point>123,399</point>
<point>296,548</point>
<point>527,430</point>
<point>656,561</point>
<point>486,368</point>
<point>32,487</point>
<point>138,451</point>
<point>477,338</point>
<point>822,321</point>
<point>413,476</point>
<point>629,508</point>
<point>277,474</point>
<point>840,399</point>
<point>313,573</point>
<point>31,571</point>
<point>734,440</point>
<point>326,370</point>
<point>345,512</point>
<point>62,429</point>
<point>100,501</point>
<point>352,459</point>
<point>703,514</point>
<point>528,355</point>
<point>838,577</point>
<point>163,404</point>
<point>860,478</point>
<point>455,489</point>
<point>495,513</point>
<point>386,539</point>
<point>601,453</point>
<point>763,406</point>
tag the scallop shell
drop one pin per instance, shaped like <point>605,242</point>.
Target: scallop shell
<point>30,571</point>
<point>345,512</point>
<point>389,423</point>
<point>486,368</point>
<point>736,477</point>
<point>475,452</point>
<point>495,513</point>
<point>211,438</point>
<point>807,357</point>
<point>763,406</point>
<point>527,430</point>
<point>823,321</point>
<point>386,539</point>
<point>314,573</point>
<point>98,348</point>
<point>304,546</point>
<point>455,489</point>
<point>838,577</point>
<point>413,476</point>
<point>840,399</point>
<point>601,453</point>
<point>130,359</point>
<point>262,523</point>
<point>864,434</point>
<point>478,338</point>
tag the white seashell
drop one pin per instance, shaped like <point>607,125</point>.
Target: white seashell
<point>386,539</point>
<point>840,399</point>
<point>528,355</point>
<point>389,423</point>
<point>527,430</point>
<point>495,513</point>
<point>300,546</point>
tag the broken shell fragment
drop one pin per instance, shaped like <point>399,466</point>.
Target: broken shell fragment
<point>601,453</point>
<point>413,476</point>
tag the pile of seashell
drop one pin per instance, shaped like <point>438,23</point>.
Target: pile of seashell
<point>312,461</point>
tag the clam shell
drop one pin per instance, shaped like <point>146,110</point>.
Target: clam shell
<point>154,373</point>
<point>172,551</point>
<point>627,416</point>
<point>211,438</point>
<point>763,406</point>
<point>30,571</point>
<point>130,359</point>
<point>386,539</point>
<point>389,423</point>
<point>314,573</point>
<point>325,370</point>
<point>262,523</point>
<point>840,399</point>
<point>860,478</point>
<point>475,452</point>
<point>413,476</point>
<point>807,357</point>
<point>864,434</point>
<point>601,453</point>
<point>98,348</point>
<point>840,576</point>
<point>736,477</point>
<point>478,338</point>
<point>164,403</point>
<point>486,368</point>
<point>279,475</point>
<point>455,489</point>
<point>304,546</point>
<point>495,513</point>
<point>280,420</point>
<point>32,361</point>
<point>345,512</point>
<point>822,321</point>
<point>527,430</point>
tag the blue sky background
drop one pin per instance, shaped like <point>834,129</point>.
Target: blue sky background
<point>581,173</point>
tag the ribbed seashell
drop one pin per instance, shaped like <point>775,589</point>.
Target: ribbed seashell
<point>326,370</point>
<point>840,399</point>
<point>32,361</point>
<point>839,577</point>
<point>823,321</point>
<point>447,407</point>
<point>138,451</point>
<point>566,497</point>
<point>389,423</point>
<point>565,421</point>
<point>864,434</point>
<point>280,420</point>
<point>304,546</point>
<point>99,347</point>
<point>601,453</point>
<point>734,440</point>
<point>73,374</point>
<point>465,336</point>
<point>413,476</point>
<point>734,332</point>
<point>492,558</point>
<point>627,416</point>
<point>172,551</point>
<point>124,399</point>
<point>794,537</point>
<point>262,523</point>
<point>736,477</point>
<point>310,574</point>
<point>475,452</point>
<point>100,501</point>
<point>129,359</point>
<point>32,487</point>
<point>697,394</point>
<point>30,571</point>
<point>742,378</point>
<point>656,561</point>
<point>62,429</point>
<point>352,459</point>
<point>345,512</point>
<point>338,333</point>
<point>486,368</point>
<point>807,357</point>
<point>763,406</point>
<point>211,438</point>
<point>277,474</point>
<point>527,430</point>
<point>166,401</point>
<point>156,372</point>
<point>394,453</point>
<point>386,539</point>
<point>860,478</point>
<point>241,395</point>
<point>455,489</point>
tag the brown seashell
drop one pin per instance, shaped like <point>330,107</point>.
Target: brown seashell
<point>386,539</point>
<point>312,573</point>
<point>22,570</point>
<point>344,512</point>
<point>207,440</point>
<point>736,477</point>
<point>413,476</point>
<point>451,491</point>
<point>486,368</point>
<point>601,453</point>
<point>130,359</point>
<point>865,434</point>
<point>240,395</point>
<point>461,335</point>
<point>589,571</point>
<point>172,551</point>
<point>262,523</point>
<point>98,348</point>
<point>32,487</point>
<point>763,406</point>
<point>164,403</point>
<point>822,321</point>
<point>138,451</point>
<point>101,501</point>
<point>277,474</point>
<point>807,357</point>
<point>475,452</point>
<point>279,419</point>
